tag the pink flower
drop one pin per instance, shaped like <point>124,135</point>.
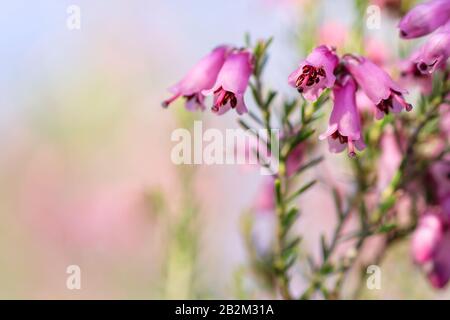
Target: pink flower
<point>231,83</point>
<point>439,178</point>
<point>431,245</point>
<point>386,94</point>
<point>295,160</point>
<point>265,199</point>
<point>435,52</point>
<point>411,74</point>
<point>444,122</point>
<point>202,76</point>
<point>424,19</point>
<point>440,271</point>
<point>344,127</point>
<point>390,159</point>
<point>315,73</point>
<point>333,33</point>
<point>426,238</point>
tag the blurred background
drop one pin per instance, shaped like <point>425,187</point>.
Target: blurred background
<point>85,172</point>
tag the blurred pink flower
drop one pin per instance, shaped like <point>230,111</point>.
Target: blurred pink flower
<point>344,127</point>
<point>440,182</point>
<point>410,73</point>
<point>333,33</point>
<point>202,76</point>
<point>426,238</point>
<point>445,119</point>
<point>295,159</point>
<point>424,18</point>
<point>440,272</point>
<point>377,51</point>
<point>391,156</point>
<point>386,94</point>
<point>315,73</point>
<point>265,199</point>
<point>431,246</point>
<point>231,83</point>
<point>363,102</point>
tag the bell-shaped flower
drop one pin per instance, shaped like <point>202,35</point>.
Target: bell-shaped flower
<point>201,77</point>
<point>232,82</point>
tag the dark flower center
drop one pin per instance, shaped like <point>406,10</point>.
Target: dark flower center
<point>310,76</point>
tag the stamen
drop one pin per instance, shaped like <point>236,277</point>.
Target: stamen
<point>351,149</point>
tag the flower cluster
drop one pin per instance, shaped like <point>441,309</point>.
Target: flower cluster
<point>431,18</point>
<point>224,73</point>
<point>324,69</point>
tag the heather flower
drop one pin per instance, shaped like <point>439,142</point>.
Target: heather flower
<point>435,52</point>
<point>440,271</point>
<point>390,159</point>
<point>344,129</point>
<point>424,18</point>
<point>386,94</point>
<point>295,159</point>
<point>231,83</point>
<point>426,238</point>
<point>202,76</point>
<point>315,73</point>
<point>411,74</point>
<point>333,33</point>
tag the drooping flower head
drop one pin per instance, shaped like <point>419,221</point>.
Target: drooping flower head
<point>232,82</point>
<point>344,129</point>
<point>315,73</point>
<point>424,19</point>
<point>384,92</point>
<point>435,52</point>
<point>201,77</point>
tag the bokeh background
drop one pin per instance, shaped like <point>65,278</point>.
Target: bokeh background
<point>85,170</point>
